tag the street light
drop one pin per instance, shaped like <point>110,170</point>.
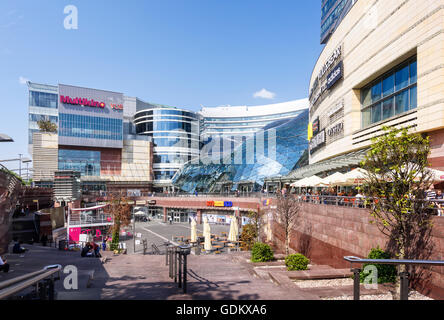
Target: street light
<point>27,161</point>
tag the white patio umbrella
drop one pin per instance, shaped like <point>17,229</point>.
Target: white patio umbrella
<point>207,235</point>
<point>193,231</point>
<point>312,181</point>
<point>231,234</point>
<point>354,177</point>
<point>300,183</point>
<point>335,179</point>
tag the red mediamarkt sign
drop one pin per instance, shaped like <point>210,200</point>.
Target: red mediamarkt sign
<point>82,102</point>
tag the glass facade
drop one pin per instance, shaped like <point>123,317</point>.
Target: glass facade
<point>390,95</point>
<point>85,162</point>
<point>43,99</point>
<point>333,11</point>
<point>73,125</point>
<point>40,117</point>
<point>284,144</point>
<point>175,135</point>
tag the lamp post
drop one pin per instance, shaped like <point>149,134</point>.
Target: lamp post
<point>20,165</point>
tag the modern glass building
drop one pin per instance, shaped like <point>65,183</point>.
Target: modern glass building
<point>225,128</point>
<point>94,138</point>
<point>43,105</point>
<point>175,136</point>
<point>274,150</point>
<point>333,11</point>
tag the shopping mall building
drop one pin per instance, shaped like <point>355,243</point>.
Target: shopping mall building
<point>118,142</point>
<point>382,65</point>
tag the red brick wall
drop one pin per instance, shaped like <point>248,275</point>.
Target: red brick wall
<point>327,233</point>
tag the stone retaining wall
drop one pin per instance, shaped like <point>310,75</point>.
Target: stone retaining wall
<point>328,233</point>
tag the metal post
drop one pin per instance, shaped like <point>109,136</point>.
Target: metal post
<point>170,253</point>
<point>51,289</point>
<point>404,285</point>
<point>185,273</point>
<point>356,283</point>
<point>175,265</point>
<point>180,268</point>
<point>134,231</point>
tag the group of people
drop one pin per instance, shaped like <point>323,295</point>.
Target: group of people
<point>91,250</point>
<point>436,194</point>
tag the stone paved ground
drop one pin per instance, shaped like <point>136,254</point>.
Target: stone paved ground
<point>210,277</point>
<point>138,277</point>
<point>158,232</point>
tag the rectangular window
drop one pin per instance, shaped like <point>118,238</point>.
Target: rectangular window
<point>376,113</point>
<point>390,95</point>
<point>366,117</point>
<point>413,72</point>
<point>376,92</point>
<point>402,78</point>
<point>387,109</point>
<point>388,85</point>
<point>413,98</point>
<point>402,102</point>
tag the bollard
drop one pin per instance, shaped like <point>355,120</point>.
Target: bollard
<point>170,253</point>
<point>356,284</point>
<point>404,276</point>
<point>175,265</point>
<point>179,256</point>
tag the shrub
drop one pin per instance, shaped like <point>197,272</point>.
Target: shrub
<point>261,252</point>
<point>296,262</point>
<point>386,273</point>
<point>248,236</point>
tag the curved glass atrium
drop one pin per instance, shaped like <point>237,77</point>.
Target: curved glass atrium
<point>274,151</point>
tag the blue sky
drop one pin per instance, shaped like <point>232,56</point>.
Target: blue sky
<point>183,53</point>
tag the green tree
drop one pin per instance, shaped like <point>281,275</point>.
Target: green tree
<point>396,182</point>
<point>47,126</point>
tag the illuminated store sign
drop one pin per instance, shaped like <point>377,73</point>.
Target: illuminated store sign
<point>317,142</point>
<point>222,204</point>
<point>316,126</point>
<point>82,102</point>
<point>334,76</point>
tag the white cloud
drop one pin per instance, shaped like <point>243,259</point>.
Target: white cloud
<point>23,80</point>
<point>264,94</point>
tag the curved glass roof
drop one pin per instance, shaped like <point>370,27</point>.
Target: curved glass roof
<point>277,159</point>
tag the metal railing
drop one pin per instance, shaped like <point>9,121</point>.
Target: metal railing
<point>434,206</point>
<point>42,281</point>
<point>404,276</point>
<point>176,259</point>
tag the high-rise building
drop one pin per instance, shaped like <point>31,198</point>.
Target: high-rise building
<point>333,11</point>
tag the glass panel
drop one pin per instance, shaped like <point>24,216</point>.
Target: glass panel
<point>388,85</point>
<point>376,92</point>
<point>413,98</point>
<point>413,72</point>
<point>376,113</point>
<point>366,117</point>
<point>402,78</point>
<point>387,109</point>
<point>366,97</point>
<point>402,102</point>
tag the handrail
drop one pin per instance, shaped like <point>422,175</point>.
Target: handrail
<point>352,260</point>
<point>18,284</point>
<point>404,276</point>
